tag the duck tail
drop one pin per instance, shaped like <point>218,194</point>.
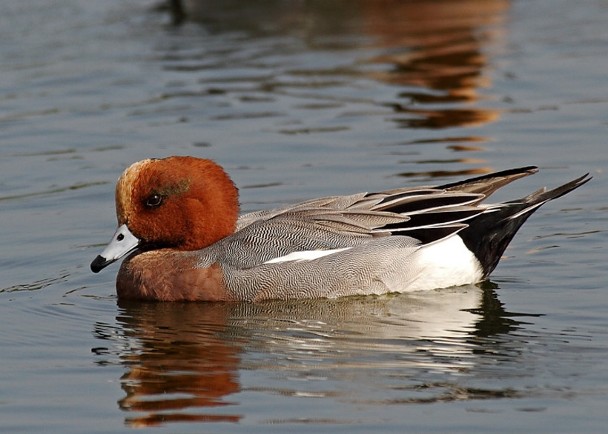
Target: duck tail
<point>489,234</point>
<point>489,183</point>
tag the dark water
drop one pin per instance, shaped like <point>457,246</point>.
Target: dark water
<point>299,100</point>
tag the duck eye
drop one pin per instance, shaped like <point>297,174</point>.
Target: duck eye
<point>153,201</point>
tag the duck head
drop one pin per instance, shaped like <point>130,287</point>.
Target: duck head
<point>182,203</point>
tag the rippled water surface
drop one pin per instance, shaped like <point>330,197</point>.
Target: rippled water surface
<point>298,100</point>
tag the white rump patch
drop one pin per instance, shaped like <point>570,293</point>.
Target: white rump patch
<point>306,255</point>
<point>445,263</point>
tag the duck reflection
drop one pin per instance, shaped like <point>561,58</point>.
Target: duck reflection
<point>183,362</point>
<point>180,360</point>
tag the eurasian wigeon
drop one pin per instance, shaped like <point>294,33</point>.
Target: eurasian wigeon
<point>178,219</point>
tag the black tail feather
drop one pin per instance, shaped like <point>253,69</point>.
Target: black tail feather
<point>489,234</point>
<point>544,195</point>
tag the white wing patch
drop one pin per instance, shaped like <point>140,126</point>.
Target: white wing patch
<point>306,255</point>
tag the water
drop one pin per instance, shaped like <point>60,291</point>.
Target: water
<point>300,100</point>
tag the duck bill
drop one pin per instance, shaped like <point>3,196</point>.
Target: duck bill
<point>122,243</point>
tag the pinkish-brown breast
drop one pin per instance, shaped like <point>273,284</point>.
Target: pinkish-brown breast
<point>170,275</point>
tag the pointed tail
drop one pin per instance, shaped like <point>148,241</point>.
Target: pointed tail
<point>489,234</point>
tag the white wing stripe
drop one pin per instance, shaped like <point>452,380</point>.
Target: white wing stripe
<point>306,255</point>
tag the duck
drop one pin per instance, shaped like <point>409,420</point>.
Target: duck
<point>182,237</point>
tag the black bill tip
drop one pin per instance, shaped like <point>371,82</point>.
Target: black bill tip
<point>99,263</point>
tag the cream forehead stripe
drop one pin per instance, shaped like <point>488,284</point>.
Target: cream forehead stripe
<point>124,187</point>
